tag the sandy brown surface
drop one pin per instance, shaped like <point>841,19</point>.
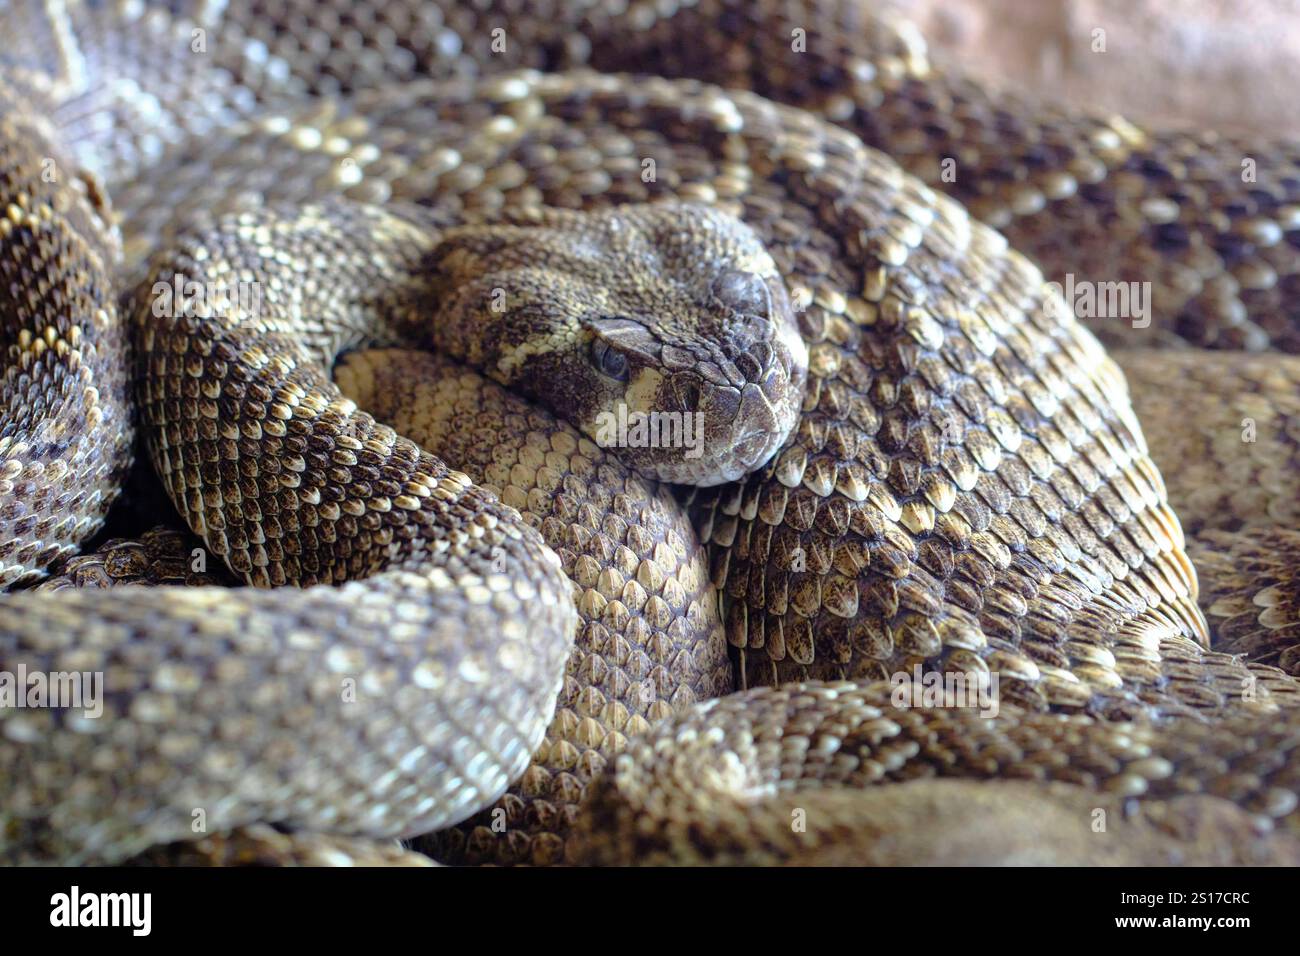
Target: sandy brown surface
<point>1225,64</point>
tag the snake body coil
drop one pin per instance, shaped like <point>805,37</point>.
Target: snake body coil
<point>914,455</point>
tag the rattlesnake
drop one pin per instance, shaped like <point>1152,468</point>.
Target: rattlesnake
<point>966,486</point>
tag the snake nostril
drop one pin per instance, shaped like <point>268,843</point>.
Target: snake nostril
<point>688,395</point>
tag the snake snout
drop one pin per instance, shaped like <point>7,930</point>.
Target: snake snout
<point>745,426</point>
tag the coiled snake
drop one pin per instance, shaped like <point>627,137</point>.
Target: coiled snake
<point>911,456</point>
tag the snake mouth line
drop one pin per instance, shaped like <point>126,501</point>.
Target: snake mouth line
<point>765,414</point>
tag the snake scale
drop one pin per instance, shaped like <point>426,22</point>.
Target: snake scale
<point>468,610</point>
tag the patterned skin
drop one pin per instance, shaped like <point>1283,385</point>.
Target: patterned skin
<point>966,490</point>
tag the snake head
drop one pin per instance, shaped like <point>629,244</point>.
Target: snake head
<point>663,331</point>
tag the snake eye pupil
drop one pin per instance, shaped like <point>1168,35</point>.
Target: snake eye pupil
<point>609,361</point>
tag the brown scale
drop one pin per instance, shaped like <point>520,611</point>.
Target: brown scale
<point>1217,240</point>
<point>1160,661</point>
<point>160,556</point>
<point>1232,469</point>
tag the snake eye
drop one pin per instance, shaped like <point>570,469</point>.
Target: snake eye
<point>609,361</point>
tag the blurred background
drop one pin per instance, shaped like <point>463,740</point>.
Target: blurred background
<point>1233,65</point>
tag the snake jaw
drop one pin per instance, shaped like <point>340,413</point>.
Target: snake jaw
<point>766,412</point>
<point>772,402</point>
<point>753,402</point>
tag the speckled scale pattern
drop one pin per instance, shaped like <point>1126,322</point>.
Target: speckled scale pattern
<point>162,555</point>
<point>1029,403</point>
<point>1217,239</point>
<point>649,641</point>
<point>439,586</point>
<point>65,443</point>
<point>725,783</point>
<point>261,845</point>
<point>1212,222</point>
<point>967,461</point>
<point>1232,467</point>
<point>171,746</point>
<point>1251,597</point>
<point>806,252</point>
<point>1234,462</point>
<point>960,481</point>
